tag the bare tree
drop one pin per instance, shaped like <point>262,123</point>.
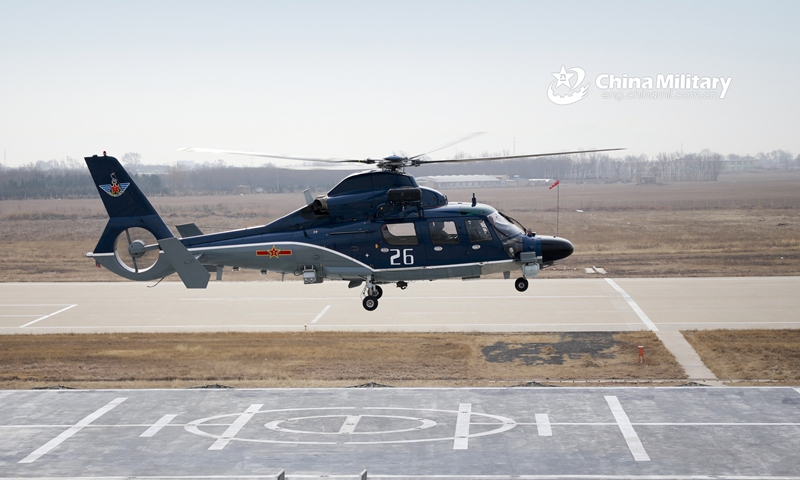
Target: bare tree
<point>132,160</point>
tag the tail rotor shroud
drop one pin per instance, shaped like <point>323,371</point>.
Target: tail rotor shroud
<point>136,249</point>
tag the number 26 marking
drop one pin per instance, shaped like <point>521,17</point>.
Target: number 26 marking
<point>408,258</point>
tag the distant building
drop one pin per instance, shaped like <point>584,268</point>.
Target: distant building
<point>744,164</point>
<point>649,180</point>
<point>463,181</point>
<point>539,182</point>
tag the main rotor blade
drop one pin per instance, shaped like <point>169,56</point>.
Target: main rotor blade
<point>350,167</point>
<point>271,155</point>
<point>509,157</point>
<point>463,139</point>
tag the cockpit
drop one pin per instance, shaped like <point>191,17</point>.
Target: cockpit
<point>504,226</point>
<point>510,232</point>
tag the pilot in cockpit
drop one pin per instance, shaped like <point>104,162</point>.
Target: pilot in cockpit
<point>438,235</point>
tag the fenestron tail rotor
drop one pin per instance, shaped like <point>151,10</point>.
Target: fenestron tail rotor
<point>136,249</point>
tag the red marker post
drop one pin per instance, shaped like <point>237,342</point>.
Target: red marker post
<point>558,200</point>
<point>641,353</point>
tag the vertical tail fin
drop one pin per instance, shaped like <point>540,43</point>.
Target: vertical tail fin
<point>121,196</point>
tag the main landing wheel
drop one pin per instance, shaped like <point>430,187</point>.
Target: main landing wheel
<point>370,303</point>
<point>521,284</point>
<point>378,292</point>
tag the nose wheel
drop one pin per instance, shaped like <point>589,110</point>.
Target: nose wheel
<point>373,293</point>
<point>521,284</point>
<point>370,303</point>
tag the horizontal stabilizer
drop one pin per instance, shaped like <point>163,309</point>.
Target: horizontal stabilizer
<point>192,273</point>
<point>188,230</point>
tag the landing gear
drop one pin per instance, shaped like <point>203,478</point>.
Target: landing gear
<point>521,284</point>
<point>373,293</point>
<point>370,303</point>
<point>402,285</point>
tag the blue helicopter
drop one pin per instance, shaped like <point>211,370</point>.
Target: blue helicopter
<point>375,227</point>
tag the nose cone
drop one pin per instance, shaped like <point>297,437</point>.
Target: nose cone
<point>555,248</point>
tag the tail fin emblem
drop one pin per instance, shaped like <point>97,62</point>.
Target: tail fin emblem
<point>115,189</point>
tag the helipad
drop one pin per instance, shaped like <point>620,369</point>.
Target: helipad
<point>534,433</point>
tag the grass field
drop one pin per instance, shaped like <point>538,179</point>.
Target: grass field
<point>750,354</point>
<point>326,359</point>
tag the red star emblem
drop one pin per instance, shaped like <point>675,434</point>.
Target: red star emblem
<point>273,252</point>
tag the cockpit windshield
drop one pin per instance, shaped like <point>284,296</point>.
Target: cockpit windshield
<point>503,226</point>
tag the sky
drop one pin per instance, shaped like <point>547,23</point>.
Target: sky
<point>358,79</point>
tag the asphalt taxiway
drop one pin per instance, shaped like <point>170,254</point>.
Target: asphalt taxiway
<point>533,433</point>
<point>598,304</point>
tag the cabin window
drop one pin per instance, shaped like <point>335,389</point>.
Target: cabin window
<point>399,233</point>
<point>443,233</point>
<point>477,231</point>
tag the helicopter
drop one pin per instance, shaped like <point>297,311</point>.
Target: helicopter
<point>375,227</point>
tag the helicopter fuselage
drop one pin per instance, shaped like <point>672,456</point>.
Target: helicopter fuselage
<point>390,240</point>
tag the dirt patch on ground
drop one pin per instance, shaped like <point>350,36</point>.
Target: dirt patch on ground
<point>320,359</point>
<point>750,355</point>
<point>571,346</point>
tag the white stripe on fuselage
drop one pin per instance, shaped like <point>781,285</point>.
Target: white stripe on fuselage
<point>201,250</point>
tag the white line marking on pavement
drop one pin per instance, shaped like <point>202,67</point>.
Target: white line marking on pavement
<point>631,438</point>
<point>262,326</point>
<point>47,316</point>
<point>237,425</point>
<point>634,306</point>
<point>797,390</point>
<point>638,476</point>
<point>349,425</point>
<point>404,299</point>
<point>320,314</point>
<point>32,304</point>
<point>570,424</point>
<point>161,423</point>
<point>543,425</point>
<point>461,441</point>
<point>71,431</point>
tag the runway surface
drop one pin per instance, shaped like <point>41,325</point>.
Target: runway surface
<point>534,433</point>
<point>597,304</point>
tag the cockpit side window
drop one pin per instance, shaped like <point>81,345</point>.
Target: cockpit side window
<point>503,226</point>
<point>399,233</point>
<point>477,231</point>
<point>443,232</point>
